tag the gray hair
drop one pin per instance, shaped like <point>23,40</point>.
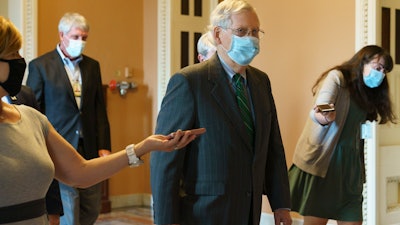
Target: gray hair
<point>221,15</point>
<point>70,20</point>
<point>205,44</point>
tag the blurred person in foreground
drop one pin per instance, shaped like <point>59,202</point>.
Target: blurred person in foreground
<point>54,208</point>
<point>220,178</point>
<point>32,152</point>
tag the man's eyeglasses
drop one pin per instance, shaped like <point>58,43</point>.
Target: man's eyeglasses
<point>241,32</point>
<point>378,66</point>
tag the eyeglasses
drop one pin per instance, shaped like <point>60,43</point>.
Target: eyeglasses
<point>378,66</point>
<point>241,32</point>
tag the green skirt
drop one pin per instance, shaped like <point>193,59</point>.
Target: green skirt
<point>338,196</point>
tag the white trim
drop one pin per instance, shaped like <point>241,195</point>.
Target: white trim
<point>371,201</point>
<point>164,49</point>
<point>164,43</point>
<point>23,13</point>
<point>365,30</point>
<point>30,28</point>
<point>366,33</point>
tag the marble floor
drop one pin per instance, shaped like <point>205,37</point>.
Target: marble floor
<point>143,216</point>
<point>127,216</point>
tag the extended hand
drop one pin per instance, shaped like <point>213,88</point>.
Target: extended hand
<point>173,141</point>
<point>282,216</point>
<point>54,219</point>
<point>104,152</point>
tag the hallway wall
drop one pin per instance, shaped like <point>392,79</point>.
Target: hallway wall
<point>302,40</point>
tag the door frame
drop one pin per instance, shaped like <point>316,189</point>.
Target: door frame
<point>164,69</point>
<point>23,14</point>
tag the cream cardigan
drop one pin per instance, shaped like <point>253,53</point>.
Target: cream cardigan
<point>317,142</point>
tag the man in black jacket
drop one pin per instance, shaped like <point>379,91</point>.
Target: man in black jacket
<point>68,87</point>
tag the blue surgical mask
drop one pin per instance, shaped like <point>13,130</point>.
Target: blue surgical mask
<point>75,47</point>
<point>243,49</point>
<point>374,78</point>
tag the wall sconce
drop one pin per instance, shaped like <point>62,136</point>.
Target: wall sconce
<point>123,86</point>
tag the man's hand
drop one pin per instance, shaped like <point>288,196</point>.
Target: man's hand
<point>282,216</point>
<point>54,219</point>
<point>104,152</point>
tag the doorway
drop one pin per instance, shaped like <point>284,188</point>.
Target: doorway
<point>177,41</point>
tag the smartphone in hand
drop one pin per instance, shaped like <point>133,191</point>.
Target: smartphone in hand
<point>325,108</point>
<point>196,131</point>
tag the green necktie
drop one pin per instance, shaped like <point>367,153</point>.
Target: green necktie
<point>243,104</point>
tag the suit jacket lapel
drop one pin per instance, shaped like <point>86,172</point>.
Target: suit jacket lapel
<point>225,97</point>
<point>256,92</point>
<point>84,78</point>
<point>61,73</point>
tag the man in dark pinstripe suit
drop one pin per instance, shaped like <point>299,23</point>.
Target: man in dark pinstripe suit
<point>219,179</point>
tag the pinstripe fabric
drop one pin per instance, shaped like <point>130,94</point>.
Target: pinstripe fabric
<point>219,178</point>
<point>243,105</point>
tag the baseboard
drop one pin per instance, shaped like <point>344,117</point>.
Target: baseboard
<point>122,201</point>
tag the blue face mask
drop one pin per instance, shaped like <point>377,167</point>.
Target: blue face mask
<point>243,49</point>
<point>75,47</point>
<point>374,78</point>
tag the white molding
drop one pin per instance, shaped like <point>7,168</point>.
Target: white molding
<point>164,43</point>
<point>30,29</point>
<point>23,13</point>
<point>164,49</point>
<point>365,30</point>
<point>371,187</point>
<point>365,34</point>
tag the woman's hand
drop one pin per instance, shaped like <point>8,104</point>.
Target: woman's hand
<point>173,141</point>
<point>325,117</point>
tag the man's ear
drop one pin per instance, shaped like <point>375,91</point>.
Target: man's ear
<point>216,35</point>
<point>61,35</point>
<point>200,57</point>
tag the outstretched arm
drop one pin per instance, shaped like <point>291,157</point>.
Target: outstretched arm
<point>74,170</point>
